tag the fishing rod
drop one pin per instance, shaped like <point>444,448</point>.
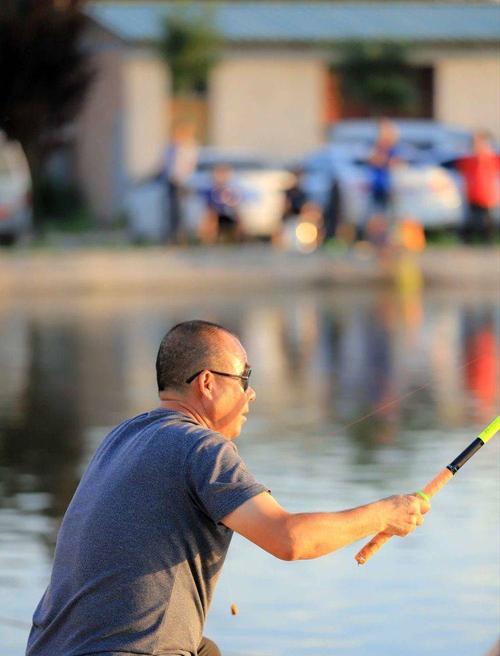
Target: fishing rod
<point>434,486</point>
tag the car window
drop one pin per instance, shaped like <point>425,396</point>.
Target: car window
<point>419,144</point>
<point>422,138</point>
<point>235,165</point>
<point>353,140</point>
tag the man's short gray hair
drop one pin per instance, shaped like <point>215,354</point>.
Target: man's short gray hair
<point>188,347</point>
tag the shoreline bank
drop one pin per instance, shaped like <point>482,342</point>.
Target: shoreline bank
<point>182,270</point>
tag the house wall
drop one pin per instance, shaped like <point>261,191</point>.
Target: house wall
<point>274,101</point>
<point>273,104</point>
<point>467,92</point>
<point>146,92</point>
<point>121,131</point>
<point>98,136</point>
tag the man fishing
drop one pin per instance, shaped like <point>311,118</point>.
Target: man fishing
<point>144,538</point>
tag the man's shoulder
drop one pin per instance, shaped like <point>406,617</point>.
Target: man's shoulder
<point>162,423</point>
<point>155,436</point>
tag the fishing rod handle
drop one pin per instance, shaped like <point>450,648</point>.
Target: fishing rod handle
<point>438,482</point>
<point>435,485</point>
<point>381,538</point>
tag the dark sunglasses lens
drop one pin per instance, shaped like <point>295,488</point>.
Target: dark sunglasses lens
<point>246,379</point>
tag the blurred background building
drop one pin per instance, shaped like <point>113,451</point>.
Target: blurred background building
<point>275,87</point>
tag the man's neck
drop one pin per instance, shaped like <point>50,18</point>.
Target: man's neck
<point>185,408</point>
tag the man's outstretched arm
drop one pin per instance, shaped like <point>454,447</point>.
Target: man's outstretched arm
<point>311,535</point>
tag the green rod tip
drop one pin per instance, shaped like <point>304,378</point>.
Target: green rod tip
<point>490,430</point>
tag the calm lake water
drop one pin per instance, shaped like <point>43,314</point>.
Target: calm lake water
<point>359,395</point>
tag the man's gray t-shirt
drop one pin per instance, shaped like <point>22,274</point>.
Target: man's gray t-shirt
<point>140,547</point>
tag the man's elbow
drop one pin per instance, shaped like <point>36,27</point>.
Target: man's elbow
<point>290,547</point>
<point>287,553</point>
<point>298,543</point>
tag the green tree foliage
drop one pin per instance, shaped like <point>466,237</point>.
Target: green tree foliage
<point>44,73</point>
<point>190,45</point>
<point>378,77</point>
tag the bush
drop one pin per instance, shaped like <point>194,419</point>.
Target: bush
<point>58,198</point>
<point>62,206</point>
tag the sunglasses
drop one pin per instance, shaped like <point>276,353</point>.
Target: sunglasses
<point>243,379</point>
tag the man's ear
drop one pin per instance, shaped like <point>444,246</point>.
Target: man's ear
<point>205,384</point>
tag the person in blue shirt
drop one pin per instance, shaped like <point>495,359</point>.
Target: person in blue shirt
<point>221,220</point>
<point>144,539</point>
<point>383,157</point>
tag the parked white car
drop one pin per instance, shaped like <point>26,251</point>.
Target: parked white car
<point>15,191</point>
<point>422,189</point>
<point>261,185</point>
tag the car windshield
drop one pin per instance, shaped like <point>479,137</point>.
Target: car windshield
<point>234,164</point>
<point>418,137</point>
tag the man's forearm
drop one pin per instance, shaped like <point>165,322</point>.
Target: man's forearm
<point>317,534</point>
<point>290,536</point>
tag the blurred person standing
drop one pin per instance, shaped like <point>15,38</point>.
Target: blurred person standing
<point>295,197</point>
<point>481,171</point>
<point>181,157</point>
<point>297,208</point>
<point>384,155</point>
<point>332,209</point>
<point>221,220</point>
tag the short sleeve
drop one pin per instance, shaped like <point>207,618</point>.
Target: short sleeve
<point>217,477</point>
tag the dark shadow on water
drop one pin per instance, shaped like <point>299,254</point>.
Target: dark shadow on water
<point>41,439</point>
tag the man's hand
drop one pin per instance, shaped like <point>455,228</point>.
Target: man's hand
<point>401,514</point>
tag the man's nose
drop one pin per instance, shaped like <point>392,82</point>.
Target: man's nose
<point>251,394</point>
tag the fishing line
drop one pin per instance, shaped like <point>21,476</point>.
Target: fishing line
<point>233,607</point>
<point>404,396</point>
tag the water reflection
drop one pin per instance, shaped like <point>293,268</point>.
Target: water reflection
<point>322,362</point>
<point>480,347</point>
<point>323,358</point>
<point>42,431</point>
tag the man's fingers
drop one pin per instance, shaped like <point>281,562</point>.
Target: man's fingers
<point>425,506</point>
<point>412,508</point>
<point>414,519</point>
<point>423,502</point>
<point>403,532</point>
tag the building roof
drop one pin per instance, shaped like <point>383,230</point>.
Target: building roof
<point>315,21</point>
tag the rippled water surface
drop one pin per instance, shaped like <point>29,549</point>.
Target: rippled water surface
<point>359,396</point>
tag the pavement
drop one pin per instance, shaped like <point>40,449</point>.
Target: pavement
<point>197,269</point>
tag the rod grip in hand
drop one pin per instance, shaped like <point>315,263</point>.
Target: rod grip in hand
<point>380,539</point>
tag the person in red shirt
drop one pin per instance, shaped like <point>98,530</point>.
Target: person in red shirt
<point>481,173</point>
